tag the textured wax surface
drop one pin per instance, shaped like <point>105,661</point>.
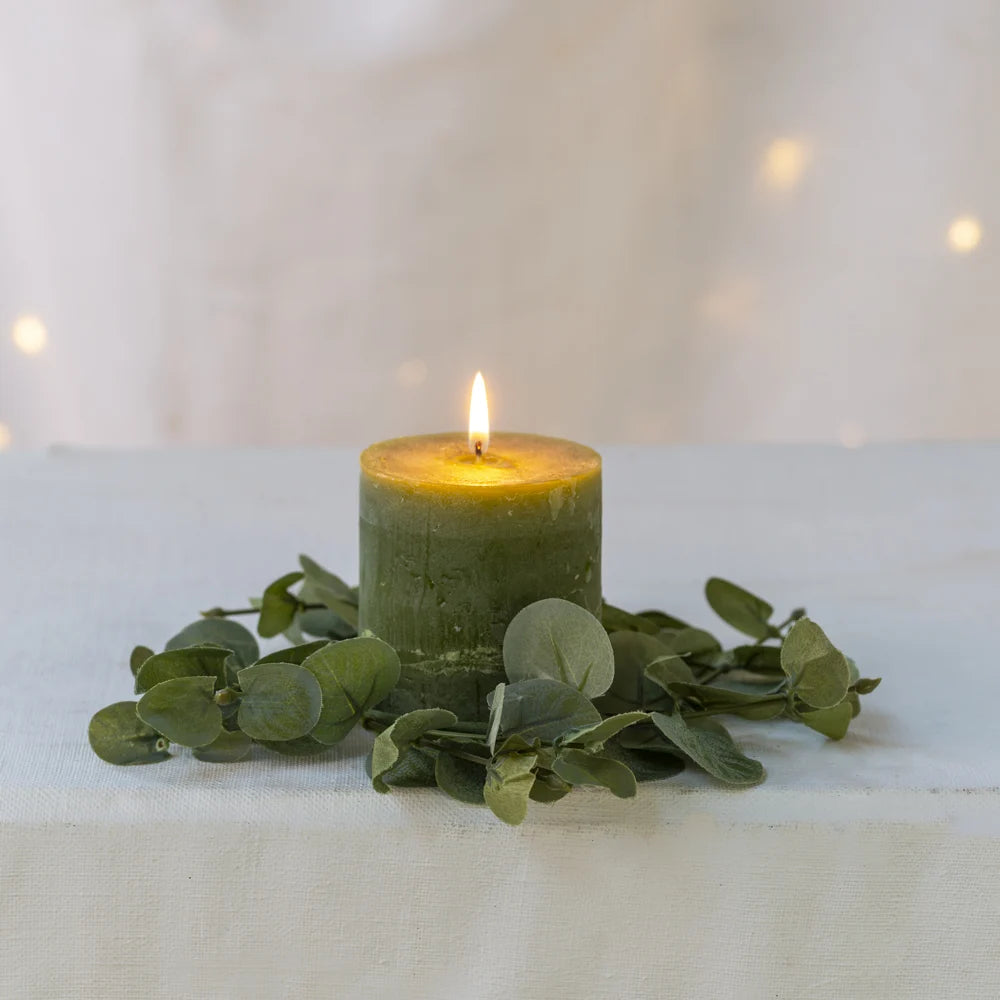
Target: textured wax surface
<point>862,869</point>
<point>453,547</point>
<point>445,460</point>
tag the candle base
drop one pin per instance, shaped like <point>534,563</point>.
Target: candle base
<point>457,683</point>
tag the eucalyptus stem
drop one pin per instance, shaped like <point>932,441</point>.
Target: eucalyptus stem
<point>731,709</point>
<point>232,612</point>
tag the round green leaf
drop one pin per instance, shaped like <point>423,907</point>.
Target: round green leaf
<point>139,656</point>
<point>746,612</point>
<point>508,786</point>
<point>631,689</point>
<point>117,735</point>
<point>544,709</point>
<point>304,746</point>
<point>225,748</point>
<point>354,675</point>
<point>818,672</point>
<point>578,767</point>
<point>560,640</point>
<point>709,745</point>
<point>218,632</point>
<point>394,742</point>
<point>277,606</point>
<point>294,654</point>
<point>183,709</point>
<point>414,769</point>
<point>461,779</point>
<point>831,722</point>
<point>281,701</point>
<point>194,661</point>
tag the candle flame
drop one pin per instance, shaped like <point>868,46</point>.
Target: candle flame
<point>479,417</point>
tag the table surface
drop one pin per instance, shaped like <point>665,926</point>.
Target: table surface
<point>872,860</point>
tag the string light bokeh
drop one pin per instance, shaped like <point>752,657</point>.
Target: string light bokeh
<point>675,222</point>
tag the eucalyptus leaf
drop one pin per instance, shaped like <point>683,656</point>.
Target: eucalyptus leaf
<point>346,612</point>
<point>818,672</point>
<point>324,622</point>
<point>302,746</point>
<point>662,620</point>
<point>461,779</point>
<point>694,642</point>
<point>578,767</point>
<point>508,786</point>
<point>354,675</point>
<point>226,748</point>
<point>544,709</point>
<point>648,765</point>
<point>599,732</point>
<point>218,632</point>
<point>549,787</point>
<point>616,620</point>
<point>555,638</point>
<point>117,735</point>
<point>277,606</point>
<point>746,612</point>
<point>391,743</point>
<point>855,702</point>
<point>667,671</point>
<point>139,656</point>
<point>831,722</point>
<point>865,685</point>
<point>630,689</point>
<point>495,700</point>
<point>712,748</point>
<point>719,699</point>
<point>194,661</point>
<point>183,709</point>
<point>295,654</point>
<point>281,701</point>
<point>320,577</point>
<point>414,769</point>
<point>758,659</point>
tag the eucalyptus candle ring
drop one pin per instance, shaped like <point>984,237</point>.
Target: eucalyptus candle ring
<point>455,540</point>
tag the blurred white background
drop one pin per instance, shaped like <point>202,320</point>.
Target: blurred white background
<point>242,221</point>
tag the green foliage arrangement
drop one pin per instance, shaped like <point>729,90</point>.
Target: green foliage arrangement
<point>609,702</point>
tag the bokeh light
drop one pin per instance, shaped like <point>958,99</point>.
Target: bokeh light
<point>5,437</point>
<point>964,234</point>
<point>784,163</point>
<point>29,334</point>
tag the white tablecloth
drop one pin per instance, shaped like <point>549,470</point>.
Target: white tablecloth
<point>869,868</point>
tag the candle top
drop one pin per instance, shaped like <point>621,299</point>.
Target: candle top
<point>513,460</point>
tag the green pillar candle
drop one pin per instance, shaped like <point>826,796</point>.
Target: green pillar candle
<point>454,544</point>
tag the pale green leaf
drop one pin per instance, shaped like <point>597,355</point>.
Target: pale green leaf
<point>354,675</point>
<point>391,743</point>
<point>461,779</point>
<point>183,709</point>
<point>508,786</point>
<point>281,701</point>
<point>544,709</point>
<point>712,748</point>
<point>746,612</point>
<point>831,722</point>
<point>578,767</point>
<point>219,632</point>
<point>117,735</point>
<point>557,639</point>
<point>278,607</point>
<point>225,748</point>
<point>817,671</point>
<point>195,661</point>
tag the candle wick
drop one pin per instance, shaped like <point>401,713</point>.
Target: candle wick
<point>479,449</point>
